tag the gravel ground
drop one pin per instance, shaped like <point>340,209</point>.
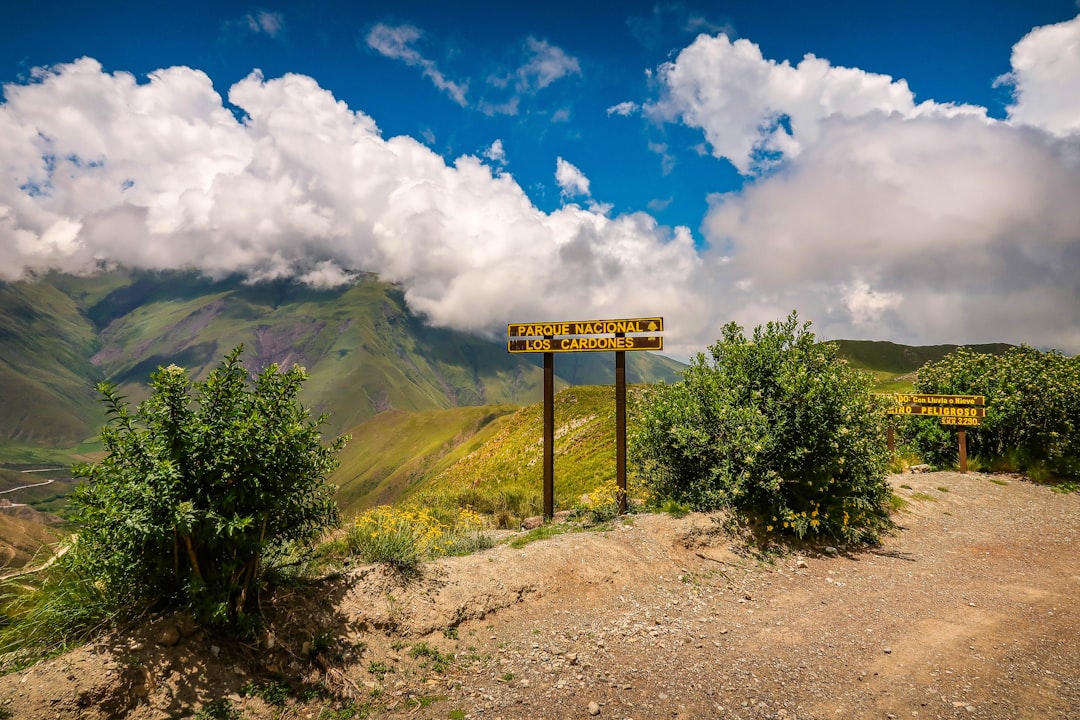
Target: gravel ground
<point>969,610</point>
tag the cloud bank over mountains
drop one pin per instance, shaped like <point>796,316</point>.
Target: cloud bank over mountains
<point>874,215</point>
<point>162,175</point>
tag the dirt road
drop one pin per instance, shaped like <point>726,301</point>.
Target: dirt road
<point>970,610</point>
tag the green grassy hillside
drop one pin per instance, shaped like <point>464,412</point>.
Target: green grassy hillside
<point>894,366</point>
<point>391,452</point>
<point>365,352</point>
<point>488,459</point>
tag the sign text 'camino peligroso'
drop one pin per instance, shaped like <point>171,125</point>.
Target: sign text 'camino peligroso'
<point>958,410</point>
<point>585,327</point>
<point>938,410</point>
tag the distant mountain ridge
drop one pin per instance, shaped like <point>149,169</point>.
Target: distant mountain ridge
<point>364,350</point>
<point>881,356</point>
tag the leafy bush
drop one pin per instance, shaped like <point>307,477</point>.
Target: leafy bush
<point>1032,410</point>
<point>775,426</point>
<point>199,483</point>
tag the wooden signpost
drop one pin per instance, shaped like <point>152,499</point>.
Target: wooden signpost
<point>955,410</point>
<point>584,336</point>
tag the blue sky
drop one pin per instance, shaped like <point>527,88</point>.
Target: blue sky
<point>909,181</point>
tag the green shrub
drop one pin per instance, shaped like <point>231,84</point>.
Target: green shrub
<point>775,426</point>
<point>437,661</point>
<point>199,483</point>
<point>1032,421</point>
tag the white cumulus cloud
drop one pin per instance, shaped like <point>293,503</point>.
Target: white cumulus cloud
<point>1046,78</point>
<point>755,111</point>
<point>888,219</point>
<point>572,182</point>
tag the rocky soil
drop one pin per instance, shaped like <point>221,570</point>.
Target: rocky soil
<point>969,610</point>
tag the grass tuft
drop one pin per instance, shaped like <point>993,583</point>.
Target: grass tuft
<point>897,503</point>
<point>544,532</point>
<point>44,616</point>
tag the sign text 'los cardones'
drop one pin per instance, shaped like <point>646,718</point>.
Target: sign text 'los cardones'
<point>585,344</point>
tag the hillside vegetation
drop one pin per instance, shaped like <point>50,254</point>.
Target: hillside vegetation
<point>894,366</point>
<point>487,458</point>
<point>46,377</point>
<point>888,357</point>
<point>392,452</point>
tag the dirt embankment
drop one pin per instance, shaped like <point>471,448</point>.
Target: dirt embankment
<point>970,610</point>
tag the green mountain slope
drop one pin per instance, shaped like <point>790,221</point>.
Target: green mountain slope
<point>393,451</point>
<point>894,366</point>
<point>46,377</point>
<point>488,459</point>
<point>364,351</point>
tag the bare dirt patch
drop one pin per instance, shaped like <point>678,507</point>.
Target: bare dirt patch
<point>969,610</point>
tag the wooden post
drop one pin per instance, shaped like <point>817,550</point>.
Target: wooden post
<point>620,426</point>
<point>549,435</point>
<point>892,438</point>
<point>963,451</point>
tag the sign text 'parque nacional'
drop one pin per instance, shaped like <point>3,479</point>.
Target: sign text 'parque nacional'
<point>616,336</point>
<point>586,327</point>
